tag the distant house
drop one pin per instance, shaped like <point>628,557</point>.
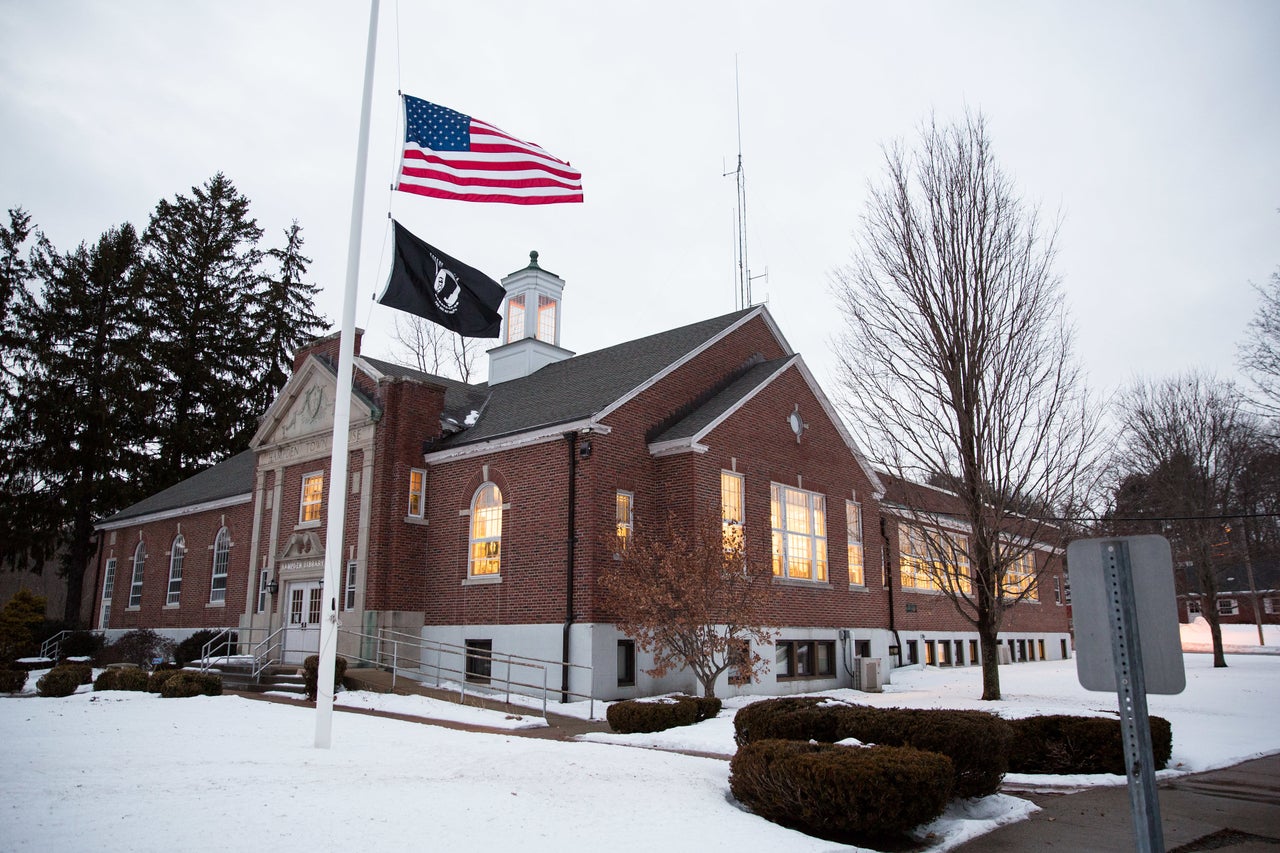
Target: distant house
<point>479,516</point>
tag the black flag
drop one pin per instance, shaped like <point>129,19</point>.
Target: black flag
<point>427,282</point>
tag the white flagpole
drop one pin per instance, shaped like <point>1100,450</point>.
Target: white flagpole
<point>342,417</point>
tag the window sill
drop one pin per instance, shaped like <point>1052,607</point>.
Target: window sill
<point>415,520</point>
<point>172,606</point>
<point>857,587</point>
<point>216,604</point>
<point>482,580</point>
<point>133,607</point>
<point>805,677</point>
<point>307,525</point>
<point>801,582</point>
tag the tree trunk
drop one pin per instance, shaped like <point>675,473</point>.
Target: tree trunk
<point>1210,613</point>
<point>990,652</point>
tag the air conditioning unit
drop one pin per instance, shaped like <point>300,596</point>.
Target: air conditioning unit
<point>869,675</point>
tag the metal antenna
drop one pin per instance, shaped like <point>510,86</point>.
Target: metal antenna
<point>742,298</point>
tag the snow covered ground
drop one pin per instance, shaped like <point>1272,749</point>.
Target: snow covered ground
<point>130,771</point>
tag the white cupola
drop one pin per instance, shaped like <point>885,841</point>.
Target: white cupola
<point>530,324</point>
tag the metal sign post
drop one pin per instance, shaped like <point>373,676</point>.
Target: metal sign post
<point>1127,640</point>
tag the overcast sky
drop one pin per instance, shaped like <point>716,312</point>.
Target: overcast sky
<point>1151,129</point>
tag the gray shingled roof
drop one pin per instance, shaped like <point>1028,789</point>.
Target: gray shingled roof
<point>702,417</point>
<point>581,386</point>
<point>227,479</point>
<point>460,399</point>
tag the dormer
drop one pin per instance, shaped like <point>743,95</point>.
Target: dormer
<point>530,324</point>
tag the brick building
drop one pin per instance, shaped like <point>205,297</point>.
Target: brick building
<point>478,516</point>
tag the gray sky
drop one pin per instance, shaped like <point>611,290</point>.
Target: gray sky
<point>1151,129</point>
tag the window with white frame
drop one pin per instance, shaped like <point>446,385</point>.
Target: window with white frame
<point>799,522</point>
<point>486,532</point>
<point>731,501</point>
<point>1193,607</point>
<point>932,561</point>
<point>1020,575</point>
<point>108,587</point>
<point>135,583</point>
<point>853,523</point>
<point>221,557</point>
<point>264,581</point>
<point>312,497</point>
<point>177,556</point>
<point>349,588</point>
<point>1057,589</point>
<point>417,493</point>
<point>1228,607</point>
<point>1271,606</point>
<point>624,518</point>
<point>515,318</point>
<point>546,319</point>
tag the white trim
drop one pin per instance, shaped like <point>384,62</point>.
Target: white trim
<point>178,512</point>
<point>877,487</point>
<point>693,443</point>
<point>676,446</point>
<point>513,440</point>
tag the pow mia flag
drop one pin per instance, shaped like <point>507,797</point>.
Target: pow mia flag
<point>427,282</point>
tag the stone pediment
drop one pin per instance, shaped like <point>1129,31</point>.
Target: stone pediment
<point>304,407</point>
<point>303,545</point>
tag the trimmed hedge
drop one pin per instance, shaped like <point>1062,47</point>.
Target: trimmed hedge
<point>632,716</point>
<point>184,683</point>
<point>121,678</point>
<point>859,795</point>
<point>311,673</point>
<point>82,644</point>
<point>1068,744</point>
<point>976,742</point>
<point>61,680</point>
<point>157,678</point>
<point>12,680</point>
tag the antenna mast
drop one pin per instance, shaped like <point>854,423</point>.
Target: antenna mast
<point>742,298</point>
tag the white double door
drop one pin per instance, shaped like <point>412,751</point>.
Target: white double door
<point>302,625</point>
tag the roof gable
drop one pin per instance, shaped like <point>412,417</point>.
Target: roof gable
<point>227,483</point>
<point>305,406</point>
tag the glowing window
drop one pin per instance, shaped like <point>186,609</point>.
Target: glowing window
<point>799,522</point>
<point>731,499</point>
<point>624,516</point>
<point>486,531</point>
<point>312,497</point>
<point>417,486</point>
<point>515,318</point>
<point>853,522</point>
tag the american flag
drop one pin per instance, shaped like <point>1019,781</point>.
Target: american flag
<point>451,155</point>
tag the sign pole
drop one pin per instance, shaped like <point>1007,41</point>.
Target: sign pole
<point>342,417</point>
<point>1131,689</point>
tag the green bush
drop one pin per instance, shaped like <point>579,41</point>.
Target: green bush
<point>82,644</point>
<point>1061,744</point>
<point>12,680</point>
<point>121,678</point>
<point>311,673</point>
<point>708,707</point>
<point>61,680</point>
<point>20,619</point>
<point>186,682</point>
<point>156,681</point>
<point>975,741</point>
<point>190,649</point>
<point>858,795</point>
<point>633,716</point>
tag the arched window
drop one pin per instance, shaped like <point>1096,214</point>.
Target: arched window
<point>135,585</point>
<point>486,531</point>
<point>221,556</point>
<point>177,554</point>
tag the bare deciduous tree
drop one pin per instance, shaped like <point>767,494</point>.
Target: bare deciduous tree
<point>1260,353</point>
<point>956,361</point>
<point>693,597</point>
<point>1186,446</point>
<point>434,349</point>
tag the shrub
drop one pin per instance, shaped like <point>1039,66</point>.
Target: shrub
<point>311,673</point>
<point>61,680</point>
<point>192,647</point>
<point>121,678</point>
<point>156,681</point>
<point>12,680</point>
<point>140,646</point>
<point>1066,744</point>
<point>186,682</point>
<point>708,707</point>
<point>82,671</point>
<point>975,741</point>
<point>859,795</point>
<point>633,716</point>
<point>82,644</point>
<point>20,618</point>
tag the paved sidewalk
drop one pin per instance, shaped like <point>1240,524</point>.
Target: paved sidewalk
<point>1236,809</point>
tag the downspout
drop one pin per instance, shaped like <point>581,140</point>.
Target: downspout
<point>570,541</point>
<point>888,580</point>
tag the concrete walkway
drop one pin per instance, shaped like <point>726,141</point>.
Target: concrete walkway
<point>1236,809</point>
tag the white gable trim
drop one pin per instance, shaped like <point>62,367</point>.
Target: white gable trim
<point>176,512</point>
<point>284,401</point>
<point>543,435</point>
<point>832,415</point>
<point>760,311</point>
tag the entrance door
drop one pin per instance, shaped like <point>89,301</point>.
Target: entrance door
<point>302,630</point>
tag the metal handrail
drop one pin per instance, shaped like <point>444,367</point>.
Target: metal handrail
<point>223,637</point>
<point>422,645</point>
<point>52,647</point>
<point>261,651</point>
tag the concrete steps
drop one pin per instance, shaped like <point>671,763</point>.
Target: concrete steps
<point>278,678</point>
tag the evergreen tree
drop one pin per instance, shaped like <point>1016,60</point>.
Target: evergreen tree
<point>284,315</point>
<point>17,546</point>
<point>203,276</point>
<point>81,408</point>
<point>15,272</point>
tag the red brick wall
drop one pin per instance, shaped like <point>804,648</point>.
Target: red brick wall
<point>195,610</point>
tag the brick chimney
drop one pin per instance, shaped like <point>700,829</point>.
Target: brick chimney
<point>325,347</point>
